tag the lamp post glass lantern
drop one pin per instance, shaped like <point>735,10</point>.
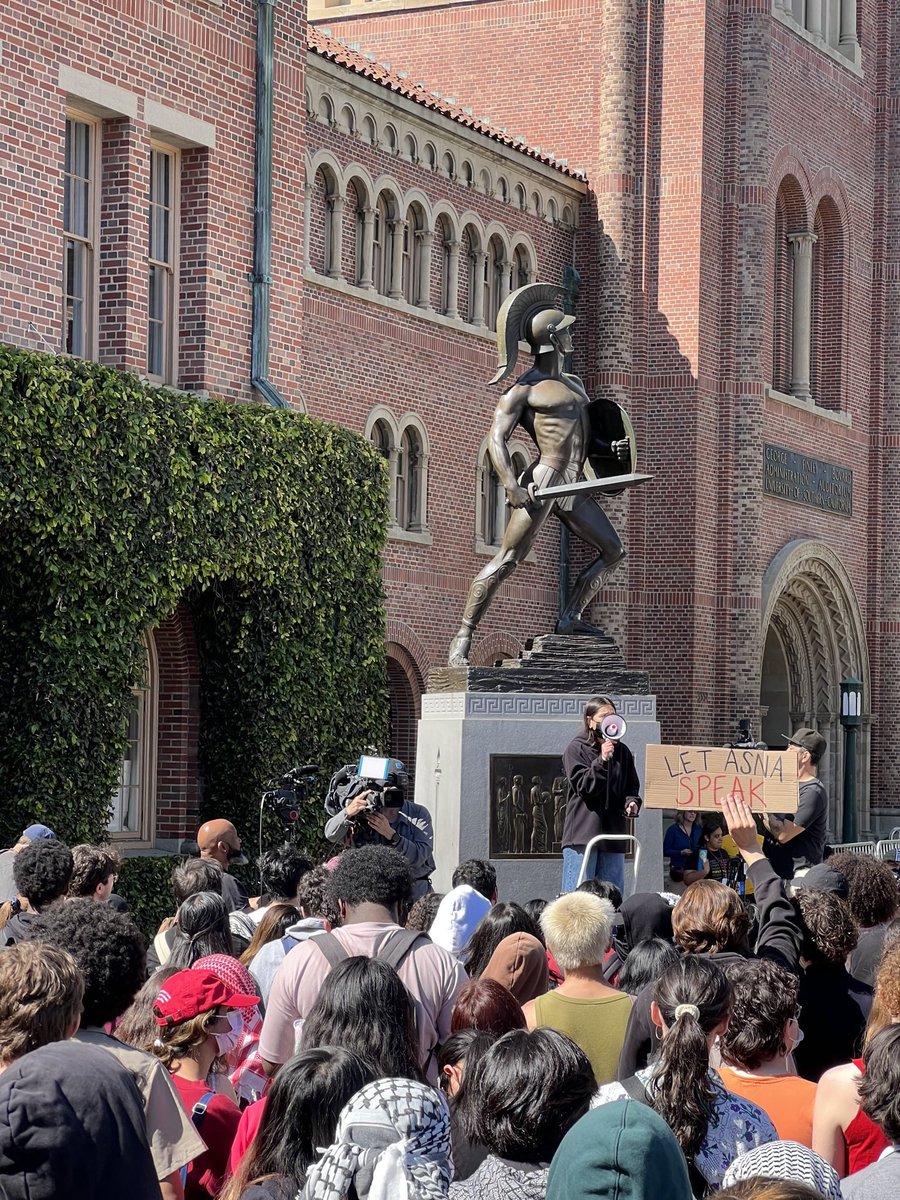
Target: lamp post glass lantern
<point>851,719</point>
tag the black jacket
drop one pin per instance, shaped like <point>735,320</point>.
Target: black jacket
<point>834,1009</point>
<point>598,790</point>
<point>778,939</point>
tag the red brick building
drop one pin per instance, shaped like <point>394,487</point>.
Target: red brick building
<point>717,174</point>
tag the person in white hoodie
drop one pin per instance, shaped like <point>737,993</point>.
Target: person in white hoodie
<point>318,916</point>
<point>457,916</point>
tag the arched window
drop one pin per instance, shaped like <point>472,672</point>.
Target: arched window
<point>466,173</point>
<point>449,282</point>
<point>827,303</point>
<point>369,129</point>
<point>383,439</point>
<point>132,803</point>
<point>521,199</point>
<point>496,287</point>
<point>409,481</point>
<point>325,211</point>
<point>522,270</point>
<point>475,280</point>
<point>792,275</point>
<point>382,246</point>
<point>415,265</point>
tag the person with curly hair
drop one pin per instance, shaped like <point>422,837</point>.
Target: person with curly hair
<point>842,1132</point>
<point>834,1006</point>
<point>369,884</point>
<point>421,915</point>
<point>41,990</point>
<point>874,901</point>
<point>94,872</point>
<point>109,951</point>
<point>42,872</point>
<point>756,1047</point>
<point>479,874</point>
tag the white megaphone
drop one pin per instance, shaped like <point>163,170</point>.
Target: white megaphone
<point>613,728</point>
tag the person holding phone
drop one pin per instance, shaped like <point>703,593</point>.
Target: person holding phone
<point>710,860</point>
<point>603,794</point>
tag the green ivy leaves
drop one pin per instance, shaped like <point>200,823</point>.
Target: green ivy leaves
<point>118,501</point>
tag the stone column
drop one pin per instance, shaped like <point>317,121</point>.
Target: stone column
<point>848,24</point>
<point>425,238</point>
<point>479,258</point>
<point>365,278</point>
<point>398,228</point>
<point>336,236</point>
<point>814,23</point>
<point>801,334</point>
<point>452,280</point>
<point>505,279</point>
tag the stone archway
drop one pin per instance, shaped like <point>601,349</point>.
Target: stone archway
<point>812,637</point>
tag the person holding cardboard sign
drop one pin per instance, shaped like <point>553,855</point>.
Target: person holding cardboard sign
<point>801,841</point>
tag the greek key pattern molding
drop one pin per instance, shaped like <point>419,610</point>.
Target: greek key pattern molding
<point>527,706</point>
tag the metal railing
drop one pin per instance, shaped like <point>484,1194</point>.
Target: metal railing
<point>855,848</point>
<point>610,837</point>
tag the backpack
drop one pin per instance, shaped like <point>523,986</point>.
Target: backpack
<point>700,1187</point>
<point>197,1114</point>
<point>393,950</point>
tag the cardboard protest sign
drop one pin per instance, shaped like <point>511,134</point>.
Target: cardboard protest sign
<point>699,777</point>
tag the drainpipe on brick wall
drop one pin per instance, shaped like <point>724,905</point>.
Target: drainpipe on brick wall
<point>262,205</point>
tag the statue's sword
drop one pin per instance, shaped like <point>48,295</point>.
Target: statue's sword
<point>587,487</point>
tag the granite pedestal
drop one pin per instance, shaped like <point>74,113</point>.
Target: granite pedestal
<point>480,725</point>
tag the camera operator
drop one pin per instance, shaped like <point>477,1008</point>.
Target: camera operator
<point>603,793</point>
<point>405,826</point>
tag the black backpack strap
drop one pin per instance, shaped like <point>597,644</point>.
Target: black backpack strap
<point>331,948</point>
<point>635,1090</point>
<point>397,945</point>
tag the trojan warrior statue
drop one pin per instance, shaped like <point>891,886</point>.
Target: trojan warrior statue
<point>573,436</point>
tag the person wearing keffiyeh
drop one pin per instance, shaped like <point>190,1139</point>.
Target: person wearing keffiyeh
<point>392,1143</point>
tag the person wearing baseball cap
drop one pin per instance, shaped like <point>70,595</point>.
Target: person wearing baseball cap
<point>803,835</point>
<point>33,833</point>
<point>199,1023</point>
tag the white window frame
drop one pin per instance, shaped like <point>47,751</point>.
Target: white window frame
<point>146,700</point>
<point>169,322</point>
<point>91,240</point>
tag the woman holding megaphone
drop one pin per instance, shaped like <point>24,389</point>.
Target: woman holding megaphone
<point>603,792</point>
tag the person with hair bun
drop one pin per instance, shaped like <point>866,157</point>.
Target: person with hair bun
<point>577,928</point>
<point>690,1009</point>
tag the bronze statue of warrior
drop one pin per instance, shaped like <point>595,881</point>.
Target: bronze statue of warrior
<point>573,435</point>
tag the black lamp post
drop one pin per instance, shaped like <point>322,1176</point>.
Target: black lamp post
<point>851,719</point>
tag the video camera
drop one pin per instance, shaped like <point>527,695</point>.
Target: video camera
<point>286,795</point>
<point>385,778</point>
<point>745,739</point>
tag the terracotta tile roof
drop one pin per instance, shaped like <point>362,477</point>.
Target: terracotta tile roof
<point>336,50</point>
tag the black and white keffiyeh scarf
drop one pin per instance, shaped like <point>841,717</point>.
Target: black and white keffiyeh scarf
<point>392,1143</point>
<point>786,1160</point>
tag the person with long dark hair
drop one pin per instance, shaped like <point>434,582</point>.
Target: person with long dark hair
<point>715,858</point>
<point>500,922</point>
<point>364,1007</point>
<point>273,925</point>
<point>300,1114</point>
<point>202,930</point>
<point>691,1006</point>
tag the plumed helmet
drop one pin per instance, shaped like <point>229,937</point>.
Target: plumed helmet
<point>530,314</point>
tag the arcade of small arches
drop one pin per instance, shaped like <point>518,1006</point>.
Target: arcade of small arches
<point>391,135</point>
<point>373,236</point>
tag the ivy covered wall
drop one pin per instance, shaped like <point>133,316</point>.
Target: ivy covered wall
<point>118,500</point>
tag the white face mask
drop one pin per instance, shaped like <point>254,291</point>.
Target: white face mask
<point>226,1042</point>
<point>795,1033</point>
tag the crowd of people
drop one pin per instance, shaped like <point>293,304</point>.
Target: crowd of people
<point>342,1036</point>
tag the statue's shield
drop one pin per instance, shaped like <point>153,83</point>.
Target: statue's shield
<point>609,423</point>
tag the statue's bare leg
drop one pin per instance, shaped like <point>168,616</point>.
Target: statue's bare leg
<point>587,520</point>
<point>524,526</point>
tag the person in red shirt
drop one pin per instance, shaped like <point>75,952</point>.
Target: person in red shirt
<point>198,1025</point>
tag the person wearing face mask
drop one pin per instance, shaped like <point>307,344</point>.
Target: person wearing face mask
<point>199,1026</point>
<point>603,793</point>
<point>758,1045</point>
<point>219,842</point>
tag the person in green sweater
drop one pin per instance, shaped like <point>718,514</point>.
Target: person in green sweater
<point>577,928</point>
